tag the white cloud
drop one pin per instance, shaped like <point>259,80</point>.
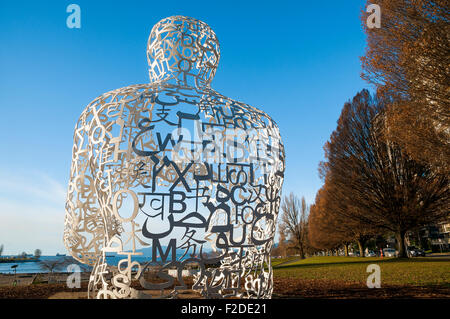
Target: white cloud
<point>36,185</point>
<point>31,213</point>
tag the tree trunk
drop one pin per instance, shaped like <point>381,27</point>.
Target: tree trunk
<point>302,252</point>
<point>401,244</point>
<point>361,248</point>
<point>346,249</point>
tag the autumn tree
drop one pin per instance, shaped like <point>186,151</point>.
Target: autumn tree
<point>328,228</point>
<point>371,179</point>
<point>322,233</point>
<point>282,242</point>
<point>408,59</point>
<point>294,222</point>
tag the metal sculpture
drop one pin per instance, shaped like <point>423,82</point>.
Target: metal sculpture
<point>170,176</point>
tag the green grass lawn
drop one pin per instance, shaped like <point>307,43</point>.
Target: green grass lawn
<point>415,271</point>
<point>277,261</point>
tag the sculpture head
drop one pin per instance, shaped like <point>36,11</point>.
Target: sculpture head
<point>183,49</point>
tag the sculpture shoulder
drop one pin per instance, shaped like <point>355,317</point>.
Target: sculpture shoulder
<point>255,115</point>
<point>99,116</point>
<point>115,97</point>
<point>206,103</point>
<point>135,98</point>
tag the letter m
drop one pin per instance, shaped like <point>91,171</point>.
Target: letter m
<point>158,250</point>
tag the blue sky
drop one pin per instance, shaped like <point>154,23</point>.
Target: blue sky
<point>297,60</point>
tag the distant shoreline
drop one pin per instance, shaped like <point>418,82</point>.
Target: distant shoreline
<point>17,260</point>
<point>29,266</point>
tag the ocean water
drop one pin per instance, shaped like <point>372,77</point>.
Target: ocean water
<point>34,267</point>
<point>27,267</point>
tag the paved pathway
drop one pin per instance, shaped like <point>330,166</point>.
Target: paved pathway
<point>287,262</point>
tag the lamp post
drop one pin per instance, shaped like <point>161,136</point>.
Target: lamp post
<point>15,272</point>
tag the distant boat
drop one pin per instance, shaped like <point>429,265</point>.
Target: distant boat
<point>60,254</point>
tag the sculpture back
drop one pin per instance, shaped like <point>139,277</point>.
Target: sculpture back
<point>171,178</point>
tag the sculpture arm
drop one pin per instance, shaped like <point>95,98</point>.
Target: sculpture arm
<point>84,229</point>
<point>96,156</point>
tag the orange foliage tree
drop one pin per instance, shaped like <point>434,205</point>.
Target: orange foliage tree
<point>408,59</point>
<point>371,179</point>
<point>328,229</point>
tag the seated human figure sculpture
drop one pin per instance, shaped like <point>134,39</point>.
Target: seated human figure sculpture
<point>171,176</point>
